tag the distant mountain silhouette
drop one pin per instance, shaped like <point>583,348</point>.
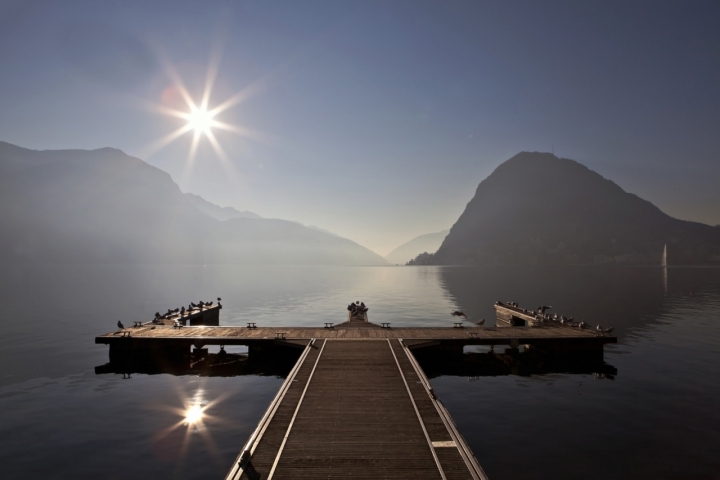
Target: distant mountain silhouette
<point>537,208</point>
<point>216,211</point>
<point>78,206</point>
<point>429,242</point>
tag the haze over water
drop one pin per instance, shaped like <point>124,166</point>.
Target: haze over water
<point>658,418</point>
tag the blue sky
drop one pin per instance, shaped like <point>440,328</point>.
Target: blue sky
<point>378,119</point>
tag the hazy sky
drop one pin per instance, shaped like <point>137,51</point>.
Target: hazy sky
<point>378,119</point>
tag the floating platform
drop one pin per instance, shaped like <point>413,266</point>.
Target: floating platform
<point>356,404</point>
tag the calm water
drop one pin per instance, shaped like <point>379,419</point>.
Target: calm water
<point>659,417</point>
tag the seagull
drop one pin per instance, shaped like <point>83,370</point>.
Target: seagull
<point>599,329</point>
<point>458,313</point>
<point>219,299</point>
<point>543,308</point>
<point>120,325</point>
<point>191,303</point>
<point>209,304</point>
<point>481,322</point>
<point>583,325</point>
<point>608,330</point>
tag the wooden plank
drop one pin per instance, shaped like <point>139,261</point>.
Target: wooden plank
<point>356,414</point>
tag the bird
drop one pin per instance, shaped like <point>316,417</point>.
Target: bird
<point>458,313</point>
<point>182,310</point>
<point>209,304</point>
<point>192,304</point>
<point>176,310</point>
<point>582,325</point>
<point>120,325</point>
<point>543,308</point>
<point>481,322</point>
<point>608,330</point>
<point>599,329</point>
<point>219,299</point>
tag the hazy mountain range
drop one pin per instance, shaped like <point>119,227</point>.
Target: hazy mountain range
<point>216,211</point>
<point>429,243</point>
<point>78,206</point>
<point>536,208</point>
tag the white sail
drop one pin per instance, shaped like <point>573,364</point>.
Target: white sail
<point>664,256</point>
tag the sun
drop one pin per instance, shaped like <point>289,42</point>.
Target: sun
<point>200,120</point>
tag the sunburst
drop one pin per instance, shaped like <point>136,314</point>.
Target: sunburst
<point>201,119</point>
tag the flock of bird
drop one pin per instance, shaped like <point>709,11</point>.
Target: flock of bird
<point>178,312</point>
<point>542,317</point>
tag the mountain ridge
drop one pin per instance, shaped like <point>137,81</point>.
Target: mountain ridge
<point>536,208</point>
<point>216,211</point>
<point>103,206</point>
<point>428,242</point>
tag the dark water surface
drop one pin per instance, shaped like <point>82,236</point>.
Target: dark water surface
<point>658,418</point>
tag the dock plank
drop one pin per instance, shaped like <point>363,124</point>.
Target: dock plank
<point>353,415</point>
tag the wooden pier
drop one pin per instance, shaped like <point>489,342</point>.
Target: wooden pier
<point>356,404</point>
<point>356,409</point>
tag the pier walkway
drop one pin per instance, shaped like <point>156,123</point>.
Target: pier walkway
<point>356,404</point>
<point>356,409</point>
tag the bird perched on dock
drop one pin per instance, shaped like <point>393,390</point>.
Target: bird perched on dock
<point>481,322</point>
<point>182,310</point>
<point>458,313</point>
<point>608,330</point>
<point>582,325</point>
<point>208,304</point>
<point>193,305</point>
<point>120,325</point>
<point>543,308</point>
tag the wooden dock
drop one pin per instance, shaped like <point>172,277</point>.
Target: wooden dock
<point>356,404</point>
<point>356,409</point>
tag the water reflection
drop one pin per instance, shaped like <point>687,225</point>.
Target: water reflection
<point>623,297</point>
<point>666,387</point>
<point>472,364</point>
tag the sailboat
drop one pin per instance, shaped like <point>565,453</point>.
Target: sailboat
<point>664,257</point>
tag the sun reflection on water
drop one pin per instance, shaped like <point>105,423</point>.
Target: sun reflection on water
<point>194,414</point>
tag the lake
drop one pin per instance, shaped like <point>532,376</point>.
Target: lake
<point>657,418</point>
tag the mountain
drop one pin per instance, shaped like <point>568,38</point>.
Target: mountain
<point>103,206</point>
<point>537,208</point>
<point>429,242</point>
<point>217,212</point>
